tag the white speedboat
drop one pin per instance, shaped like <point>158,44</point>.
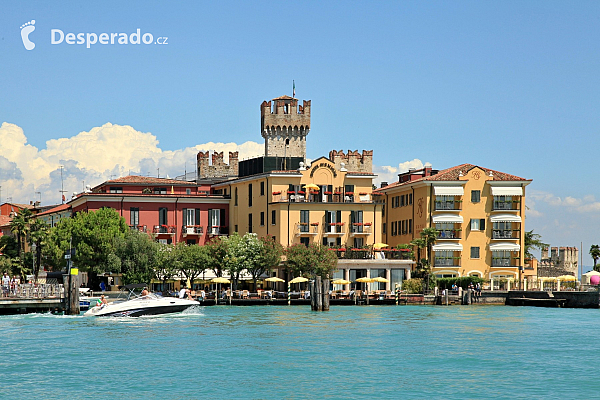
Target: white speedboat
<point>137,305</point>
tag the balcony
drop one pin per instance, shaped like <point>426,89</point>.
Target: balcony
<point>368,254</point>
<point>506,205</point>
<point>334,197</point>
<point>359,229</point>
<point>455,205</point>
<point>217,230</point>
<point>139,228</point>
<point>449,234</point>
<point>334,229</point>
<point>506,234</point>
<point>446,262</point>
<point>164,230</point>
<point>505,262</point>
<point>192,230</point>
<point>304,229</point>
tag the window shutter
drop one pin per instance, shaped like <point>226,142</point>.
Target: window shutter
<point>197,216</point>
<point>339,216</point>
<point>482,224</point>
<point>222,219</point>
<point>352,217</point>
<point>184,219</point>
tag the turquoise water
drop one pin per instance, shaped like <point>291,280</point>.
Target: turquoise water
<point>292,353</point>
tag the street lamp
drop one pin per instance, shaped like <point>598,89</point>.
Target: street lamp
<point>33,248</point>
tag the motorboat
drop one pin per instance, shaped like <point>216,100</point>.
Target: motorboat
<point>135,304</point>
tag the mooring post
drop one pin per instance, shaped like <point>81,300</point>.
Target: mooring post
<point>289,294</point>
<point>311,290</point>
<point>397,294</point>
<point>319,293</point>
<point>325,294</point>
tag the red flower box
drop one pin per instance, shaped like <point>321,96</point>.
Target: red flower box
<point>276,193</point>
<point>367,224</point>
<point>291,192</point>
<point>349,193</point>
<point>327,193</point>
<point>314,224</point>
<point>363,193</point>
<point>301,192</point>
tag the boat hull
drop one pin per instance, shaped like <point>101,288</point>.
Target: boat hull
<point>141,307</point>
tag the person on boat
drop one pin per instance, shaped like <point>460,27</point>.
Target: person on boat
<point>185,291</point>
<point>145,292</point>
<point>101,302</point>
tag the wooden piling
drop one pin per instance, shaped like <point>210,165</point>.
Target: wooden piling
<point>319,293</point>
<point>325,294</point>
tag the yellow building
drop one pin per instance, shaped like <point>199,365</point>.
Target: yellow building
<point>479,213</point>
<point>328,201</point>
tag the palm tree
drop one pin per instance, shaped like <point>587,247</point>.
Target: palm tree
<point>595,253</point>
<point>429,236</point>
<point>38,232</point>
<point>20,227</point>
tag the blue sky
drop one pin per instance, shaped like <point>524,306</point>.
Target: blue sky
<point>511,86</point>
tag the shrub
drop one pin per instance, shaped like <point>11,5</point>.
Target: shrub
<point>463,282</point>
<point>414,285</point>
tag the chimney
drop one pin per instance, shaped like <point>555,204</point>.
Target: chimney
<point>384,184</point>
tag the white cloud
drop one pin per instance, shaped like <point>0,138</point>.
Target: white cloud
<point>90,158</point>
<point>587,204</point>
<point>389,174</point>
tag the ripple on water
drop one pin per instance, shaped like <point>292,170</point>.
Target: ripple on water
<point>291,352</point>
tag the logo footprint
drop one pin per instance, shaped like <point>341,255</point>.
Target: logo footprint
<point>26,29</point>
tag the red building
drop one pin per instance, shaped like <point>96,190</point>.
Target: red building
<point>170,210</point>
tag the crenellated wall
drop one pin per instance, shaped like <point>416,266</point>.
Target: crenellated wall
<point>284,126</point>
<point>353,160</point>
<point>562,261</point>
<point>218,168</point>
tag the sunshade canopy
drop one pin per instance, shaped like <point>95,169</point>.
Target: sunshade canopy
<point>299,279</point>
<point>448,190</point>
<point>505,218</point>
<point>220,280</point>
<point>274,279</point>
<point>507,191</point>
<point>505,246</point>
<point>448,218</point>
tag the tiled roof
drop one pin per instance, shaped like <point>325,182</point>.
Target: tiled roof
<point>30,206</point>
<point>452,174</point>
<point>56,209</point>
<point>148,180</point>
<point>5,220</point>
<point>359,173</point>
<point>284,97</point>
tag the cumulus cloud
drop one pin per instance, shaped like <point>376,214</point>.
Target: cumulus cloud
<point>90,158</point>
<point>389,174</point>
<point>586,204</point>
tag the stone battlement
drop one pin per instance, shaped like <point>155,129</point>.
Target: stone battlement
<point>561,261</point>
<point>219,168</point>
<point>353,160</point>
<point>284,126</point>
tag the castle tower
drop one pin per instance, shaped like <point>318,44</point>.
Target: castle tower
<point>284,125</point>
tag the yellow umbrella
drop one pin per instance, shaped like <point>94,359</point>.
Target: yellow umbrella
<point>274,279</point>
<point>299,279</point>
<point>341,282</point>
<point>364,280</point>
<point>218,280</point>
<point>565,278</point>
<point>379,245</point>
<point>311,186</point>
<point>381,279</point>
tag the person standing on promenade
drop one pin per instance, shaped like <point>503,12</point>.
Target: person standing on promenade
<point>6,284</point>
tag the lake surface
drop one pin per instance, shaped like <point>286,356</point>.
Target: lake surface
<point>383,352</point>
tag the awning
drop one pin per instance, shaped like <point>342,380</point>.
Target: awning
<point>504,247</point>
<point>505,218</point>
<point>447,247</point>
<point>447,218</point>
<point>507,191</point>
<point>448,190</point>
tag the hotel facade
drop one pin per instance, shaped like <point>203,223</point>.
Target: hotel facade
<point>479,215</point>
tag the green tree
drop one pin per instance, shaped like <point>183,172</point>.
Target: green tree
<point>137,256</point>
<point>9,246</point>
<point>93,235</point>
<point>166,267</point>
<point>595,253</point>
<point>191,260</point>
<point>217,251</point>
<point>315,260</point>
<point>19,226</point>
<point>38,233</point>
<point>269,257</point>
<point>533,241</point>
